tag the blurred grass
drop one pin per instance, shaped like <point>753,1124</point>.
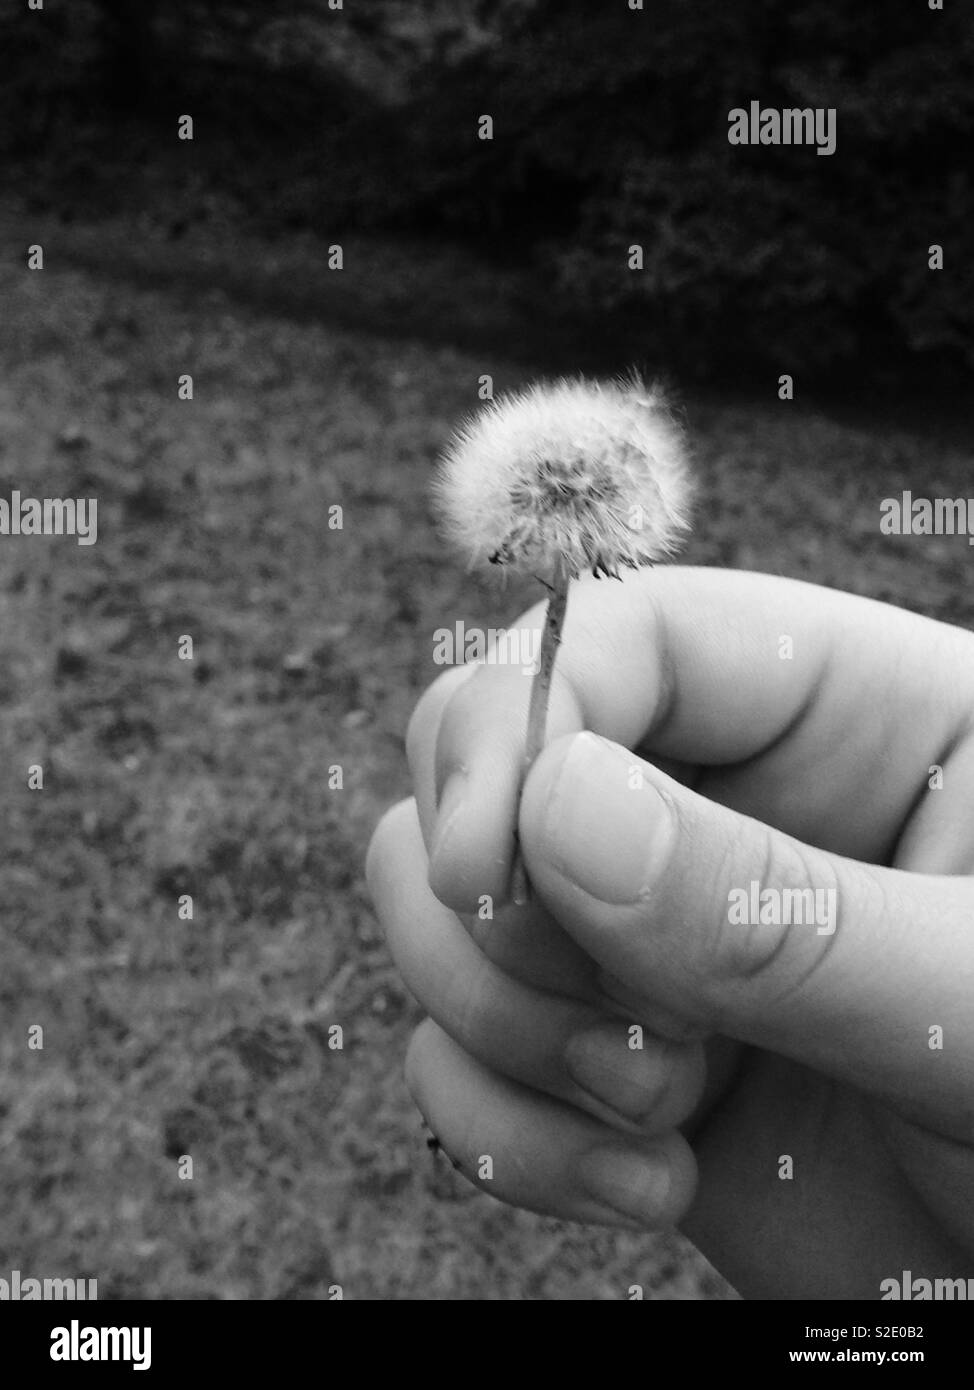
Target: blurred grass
<point>210,777</point>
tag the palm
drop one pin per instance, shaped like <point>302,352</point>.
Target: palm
<point>852,1214</point>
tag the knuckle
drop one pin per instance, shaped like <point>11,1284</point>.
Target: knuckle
<point>416,1067</point>
<point>388,830</point>
<point>428,711</point>
<point>766,936</point>
<point>467,1008</point>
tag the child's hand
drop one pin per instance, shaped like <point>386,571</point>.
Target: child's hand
<point>761,1043</point>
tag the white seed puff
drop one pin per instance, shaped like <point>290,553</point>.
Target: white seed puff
<point>576,474</point>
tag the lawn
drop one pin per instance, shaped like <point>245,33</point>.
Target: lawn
<point>166,1037</point>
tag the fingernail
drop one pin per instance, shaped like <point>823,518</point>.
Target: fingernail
<point>601,1063</point>
<point>606,827</point>
<point>451,801</point>
<point>634,1185</point>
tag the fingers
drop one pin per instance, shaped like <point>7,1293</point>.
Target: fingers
<point>421,738</point>
<point>540,1154</point>
<point>865,973</point>
<point>478,770</point>
<point>939,838</point>
<point>525,941</point>
<point>768,683</point>
<point>612,1068</point>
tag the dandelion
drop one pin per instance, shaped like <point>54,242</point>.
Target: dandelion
<point>560,479</point>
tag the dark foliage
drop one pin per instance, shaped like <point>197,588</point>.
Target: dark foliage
<point>610,129</point>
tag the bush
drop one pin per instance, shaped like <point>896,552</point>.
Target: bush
<point>610,129</point>
<point>615,122</point>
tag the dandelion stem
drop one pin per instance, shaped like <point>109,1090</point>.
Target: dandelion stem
<point>541,684</point>
<point>540,694</point>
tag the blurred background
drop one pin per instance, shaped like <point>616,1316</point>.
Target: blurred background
<point>357,127</point>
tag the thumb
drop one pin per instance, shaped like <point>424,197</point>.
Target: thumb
<point>739,929</point>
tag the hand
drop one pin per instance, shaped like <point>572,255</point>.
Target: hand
<point>761,1042</point>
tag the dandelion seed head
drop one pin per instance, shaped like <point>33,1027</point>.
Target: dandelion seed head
<point>582,474</point>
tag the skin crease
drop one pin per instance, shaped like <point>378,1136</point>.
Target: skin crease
<point>759,1043</point>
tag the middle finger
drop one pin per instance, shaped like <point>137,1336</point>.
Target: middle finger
<point>615,1069</point>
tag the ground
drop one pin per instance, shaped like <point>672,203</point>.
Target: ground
<point>210,1038</point>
